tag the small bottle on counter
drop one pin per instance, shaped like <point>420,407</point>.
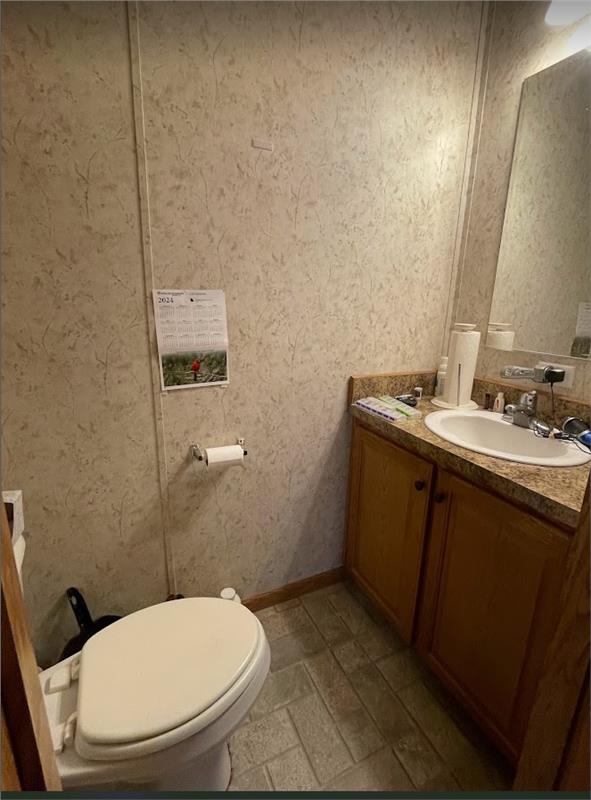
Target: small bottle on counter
<point>440,380</point>
<point>499,404</point>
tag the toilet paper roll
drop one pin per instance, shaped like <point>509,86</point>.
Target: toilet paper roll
<point>228,456</point>
<point>463,352</point>
<point>500,340</point>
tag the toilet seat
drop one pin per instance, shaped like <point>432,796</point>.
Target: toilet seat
<point>162,674</point>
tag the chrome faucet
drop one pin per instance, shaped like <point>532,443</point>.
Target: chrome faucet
<point>523,414</point>
<point>548,374</point>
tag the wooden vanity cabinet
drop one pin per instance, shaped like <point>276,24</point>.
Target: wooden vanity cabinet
<point>484,576</point>
<point>388,504</point>
<point>490,604</point>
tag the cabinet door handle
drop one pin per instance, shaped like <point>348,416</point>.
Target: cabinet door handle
<point>440,497</point>
<point>420,485</point>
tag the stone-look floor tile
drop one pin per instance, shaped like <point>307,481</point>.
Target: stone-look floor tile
<point>353,615</point>
<point>281,688</point>
<point>291,772</point>
<point>259,741</point>
<point>287,604</point>
<point>412,748</point>
<point>446,737</point>
<point>289,621</point>
<point>332,684</point>
<point>410,745</point>
<point>378,642</point>
<point>295,646</point>
<point>390,715</point>
<point>349,655</point>
<point>320,738</point>
<point>332,629</point>
<point>473,769</point>
<point>360,734</point>
<point>253,780</point>
<point>353,721</point>
<point>444,782</point>
<point>326,619</point>
<point>398,694</point>
<point>418,757</point>
<point>380,772</point>
<point>265,613</point>
<point>400,669</point>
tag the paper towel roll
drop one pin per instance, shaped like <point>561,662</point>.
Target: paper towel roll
<point>500,340</point>
<point>461,367</point>
<point>227,456</point>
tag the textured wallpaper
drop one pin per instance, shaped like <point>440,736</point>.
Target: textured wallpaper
<point>77,421</point>
<point>521,44</point>
<point>334,250</point>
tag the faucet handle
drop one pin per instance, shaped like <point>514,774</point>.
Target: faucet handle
<point>529,400</point>
<point>510,409</point>
<point>512,371</point>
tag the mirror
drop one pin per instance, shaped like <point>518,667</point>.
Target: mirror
<point>542,293</point>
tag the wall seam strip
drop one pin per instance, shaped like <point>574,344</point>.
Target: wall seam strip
<point>469,171</point>
<point>148,280</point>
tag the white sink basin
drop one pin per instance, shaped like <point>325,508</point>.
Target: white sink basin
<point>486,432</point>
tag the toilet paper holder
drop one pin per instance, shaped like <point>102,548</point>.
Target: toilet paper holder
<point>197,452</point>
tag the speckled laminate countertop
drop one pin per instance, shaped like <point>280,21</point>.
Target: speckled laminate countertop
<point>555,493</point>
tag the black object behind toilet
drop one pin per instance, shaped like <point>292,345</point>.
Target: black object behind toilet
<point>88,626</point>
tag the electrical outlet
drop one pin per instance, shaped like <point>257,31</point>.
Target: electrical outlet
<point>569,374</point>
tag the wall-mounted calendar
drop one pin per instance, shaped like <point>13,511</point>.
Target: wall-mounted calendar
<point>192,333</point>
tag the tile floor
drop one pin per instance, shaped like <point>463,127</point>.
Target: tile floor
<point>347,706</point>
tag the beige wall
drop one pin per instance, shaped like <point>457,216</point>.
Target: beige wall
<point>335,252</point>
<point>333,255</point>
<point>78,425</point>
<point>521,44</point>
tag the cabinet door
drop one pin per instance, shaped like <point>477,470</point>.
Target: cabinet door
<point>575,774</point>
<point>490,606</point>
<point>389,497</point>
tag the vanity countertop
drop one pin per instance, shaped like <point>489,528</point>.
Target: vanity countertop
<point>555,493</point>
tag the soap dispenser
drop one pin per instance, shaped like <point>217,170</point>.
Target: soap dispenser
<point>499,404</point>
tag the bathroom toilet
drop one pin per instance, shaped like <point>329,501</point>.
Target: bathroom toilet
<point>151,701</point>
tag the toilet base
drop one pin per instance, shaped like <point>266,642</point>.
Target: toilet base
<point>210,772</point>
<point>189,765</point>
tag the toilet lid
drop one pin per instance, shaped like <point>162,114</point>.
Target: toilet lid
<point>162,666</point>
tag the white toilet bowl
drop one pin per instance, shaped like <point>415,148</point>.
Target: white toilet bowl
<point>151,701</point>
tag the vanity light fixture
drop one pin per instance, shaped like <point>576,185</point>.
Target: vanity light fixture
<point>566,12</point>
